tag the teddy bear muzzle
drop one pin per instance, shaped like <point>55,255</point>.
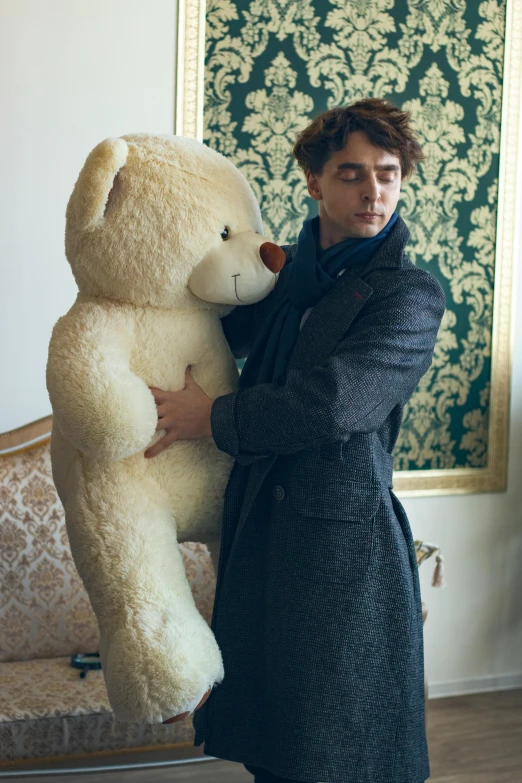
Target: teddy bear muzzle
<point>238,271</point>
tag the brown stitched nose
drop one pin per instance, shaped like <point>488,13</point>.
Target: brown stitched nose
<point>272,256</point>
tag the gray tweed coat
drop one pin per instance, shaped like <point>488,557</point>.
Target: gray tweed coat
<point>318,609</point>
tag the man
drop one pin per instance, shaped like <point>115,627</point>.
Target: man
<point>317,610</point>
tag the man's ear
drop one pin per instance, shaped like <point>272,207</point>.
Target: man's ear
<point>313,186</point>
<point>91,192</point>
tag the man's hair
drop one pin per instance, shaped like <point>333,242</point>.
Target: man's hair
<point>385,125</point>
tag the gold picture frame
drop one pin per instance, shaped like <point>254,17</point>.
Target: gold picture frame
<point>189,122</point>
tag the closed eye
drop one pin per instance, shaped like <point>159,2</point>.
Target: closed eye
<point>355,179</point>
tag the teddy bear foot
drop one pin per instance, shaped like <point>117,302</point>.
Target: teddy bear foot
<point>171,681</point>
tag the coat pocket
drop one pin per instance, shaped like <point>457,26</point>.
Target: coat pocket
<point>330,530</point>
<point>329,552</point>
<point>334,499</point>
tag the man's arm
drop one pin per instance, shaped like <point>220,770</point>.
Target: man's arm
<point>379,364</point>
<point>242,325</point>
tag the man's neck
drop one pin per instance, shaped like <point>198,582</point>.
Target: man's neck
<point>329,233</point>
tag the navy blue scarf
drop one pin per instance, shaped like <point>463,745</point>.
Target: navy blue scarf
<point>309,279</point>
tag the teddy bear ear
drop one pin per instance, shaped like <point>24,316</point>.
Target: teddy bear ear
<point>95,182</point>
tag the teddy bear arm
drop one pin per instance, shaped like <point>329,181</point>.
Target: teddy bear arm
<point>103,408</point>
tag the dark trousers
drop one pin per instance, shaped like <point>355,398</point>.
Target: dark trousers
<point>264,776</point>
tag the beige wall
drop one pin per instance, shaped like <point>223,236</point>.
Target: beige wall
<point>75,71</point>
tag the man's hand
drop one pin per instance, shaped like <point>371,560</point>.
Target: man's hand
<point>184,714</point>
<point>184,414</point>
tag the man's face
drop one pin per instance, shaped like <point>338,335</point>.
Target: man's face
<point>358,189</point>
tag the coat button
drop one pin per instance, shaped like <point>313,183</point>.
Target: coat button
<point>278,492</point>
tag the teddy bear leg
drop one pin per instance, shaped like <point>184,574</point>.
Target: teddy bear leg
<point>158,654</point>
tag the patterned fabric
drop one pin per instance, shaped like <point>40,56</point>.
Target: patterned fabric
<point>44,609</point>
<point>47,710</point>
<point>45,614</point>
<point>272,66</point>
<point>318,610</point>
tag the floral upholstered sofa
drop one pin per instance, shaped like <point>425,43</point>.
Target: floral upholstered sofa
<point>47,710</point>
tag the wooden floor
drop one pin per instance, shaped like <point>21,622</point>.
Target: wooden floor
<point>472,739</point>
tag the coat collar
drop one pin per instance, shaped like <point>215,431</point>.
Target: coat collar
<point>388,255</point>
<point>390,252</point>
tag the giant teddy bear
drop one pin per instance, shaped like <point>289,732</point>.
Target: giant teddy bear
<point>163,235</point>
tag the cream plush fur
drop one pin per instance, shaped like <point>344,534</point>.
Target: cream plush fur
<point>143,237</point>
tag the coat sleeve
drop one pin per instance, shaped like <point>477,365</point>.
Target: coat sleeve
<point>243,324</point>
<point>376,366</point>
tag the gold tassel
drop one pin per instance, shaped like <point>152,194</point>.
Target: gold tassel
<point>439,576</point>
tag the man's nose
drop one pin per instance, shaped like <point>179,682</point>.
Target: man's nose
<point>371,191</point>
<point>272,256</point>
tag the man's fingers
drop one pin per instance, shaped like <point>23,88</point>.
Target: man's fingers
<point>203,700</point>
<point>158,394</point>
<point>155,450</point>
<point>161,445</point>
<point>184,714</point>
<point>189,380</point>
<point>165,423</point>
<point>176,718</point>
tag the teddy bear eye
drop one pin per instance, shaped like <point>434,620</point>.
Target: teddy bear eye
<point>225,233</point>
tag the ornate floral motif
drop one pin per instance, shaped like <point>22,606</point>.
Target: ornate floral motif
<point>272,65</point>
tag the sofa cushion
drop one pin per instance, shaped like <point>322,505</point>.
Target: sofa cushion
<point>48,710</point>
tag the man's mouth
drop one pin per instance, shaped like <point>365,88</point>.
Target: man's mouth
<point>368,216</point>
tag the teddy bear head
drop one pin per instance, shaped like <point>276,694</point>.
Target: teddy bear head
<point>168,222</point>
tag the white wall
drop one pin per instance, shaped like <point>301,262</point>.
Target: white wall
<point>72,72</point>
<point>75,71</point>
<point>473,632</point>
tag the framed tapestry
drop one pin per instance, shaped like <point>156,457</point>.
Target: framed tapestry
<point>252,74</point>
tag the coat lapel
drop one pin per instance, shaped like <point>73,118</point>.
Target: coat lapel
<point>328,321</point>
<point>322,330</point>
<point>334,313</point>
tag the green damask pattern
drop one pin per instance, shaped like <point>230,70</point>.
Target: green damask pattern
<point>271,65</point>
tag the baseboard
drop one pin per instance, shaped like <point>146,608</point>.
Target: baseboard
<point>501,682</point>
